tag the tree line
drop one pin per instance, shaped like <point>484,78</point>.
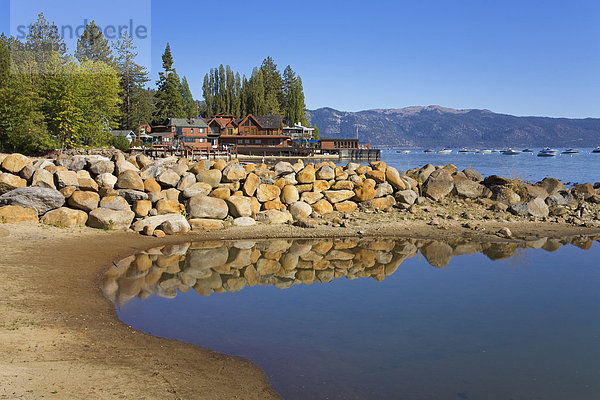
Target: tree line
<point>51,99</point>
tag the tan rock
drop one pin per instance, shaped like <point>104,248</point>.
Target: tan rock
<point>201,165</point>
<point>325,173</point>
<point>239,206</point>
<point>337,196</point>
<point>343,185</point>
<point>15,162</point>
<point>255,205</point>
<point>86,201</point>
<point>381,204</point>
<point>198,188</point>
<point>221,193</point>
<point>168,178</point>
<point>141,208</point>
<point>42,178</point>
<point>392,176</point>
<point>15,214</point>
<point>212,177</point>
<point>300,210</point>
<point>219,165</point>
<point>273,205</point>
<point>378,165</point>
<point>249,168</point>
<point>280,183</point>
<point>377,175</point>
<point>320,186</point>
<point>87,184</point>
<point>304,188</point>
<point>345,206</point>
<point>365,192</point>
<point>9,182</point>
<point>274,217</point>
<point>323,207</point>
<point>169,194</point>
<point>233,173</point>
<point>129,180</point>
<point>307,174</point>
<point>66,178</point>
<point>103,218</point>
<point>311,197</point>
<point>207,207</point>
<point>115,203</point>
<point>202,224</point>
<point>68,191</point>
<point>65,218</point>
<point>251,184</point>
<point>266,192</point>
<point>289,194</point>
<point>168,207</point>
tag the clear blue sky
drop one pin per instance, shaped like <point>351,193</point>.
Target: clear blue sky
<point>517,57</point>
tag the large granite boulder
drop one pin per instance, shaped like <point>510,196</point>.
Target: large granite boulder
<point>10,182</point>
<point>40,199</point>
<point>15,214</point>
<point>14,163</point>
<point>533,208</point>
<point>467,188</point>
<point>207,207</point>
<point>104,218</point>
<point>211,176</point>
<point>239,206</point>
<point>174,223</point>
<point>300,210</point>
<point>130,179</point>
<point>86,201</point>
<point>337,196</point>
<point>233,172</point>
<point>438,185</point>
<point>43,178</point>
<point>65,218</point>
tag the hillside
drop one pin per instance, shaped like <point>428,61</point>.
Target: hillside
<point>436,126</point>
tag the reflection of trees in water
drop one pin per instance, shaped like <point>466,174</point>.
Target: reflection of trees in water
<point>218,266</point>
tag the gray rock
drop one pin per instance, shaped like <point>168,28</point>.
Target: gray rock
<point>300,210</point>
<point>283,168</point>
<point>274,217</point>
<point>467,188</point>
<point>439,184</point>
<point>473,175</point>
<point>40,199</point>
<point>177,223</point>
<point>106,180</point>
<point>326,173</point>
<point>383,189</point>
<point>561,198</point>
<point>102,167</point>
<point>75,163</point>
<point>198,188</point>
<point>406,196</point>
<point>233,172</point>
<point>104,218</point>
<point>132,195</point>
<point>66,178</point>
<point>533,208</point>
<point>168,178</point>
<point>244,221</point>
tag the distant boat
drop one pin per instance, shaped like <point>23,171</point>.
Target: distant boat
<point>465,150</point>
<point>571,151</point>
<point>445,151</point>
<point>511,152</point>
<point>496,151</point>
<point>596,150</point>
<point>528,151</point>
<point>403,151</point>
<point>547,152</point>
<point>429,151</point>
<point>485,151</point>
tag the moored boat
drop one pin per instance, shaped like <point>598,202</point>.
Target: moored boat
<point>403,151</point>
<point>571,151</point>
<point>511,152</point>
<point>596,150</point>
<point>484,151</point>
<point>547,153</point>
<point>527,150</point>
<point>445,151</point>
<point>429,151</point>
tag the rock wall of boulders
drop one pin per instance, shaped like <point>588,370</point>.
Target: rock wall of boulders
<point>219,267</point>
<point>175,195</point>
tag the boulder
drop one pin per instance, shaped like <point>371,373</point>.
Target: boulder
<point>473,175</point>
<point>87,184</point>
<point>467,188</point>
<point>383,189</point>
<point>43,178</point>
<point>106,180</point>
<point>322,207</point>
<point>551,185</point>
<point>311,197</point>
<point>290,194</point>
<point>266,192</point>
<point>407,197</point>
<point>251,184</point>
<point>40,199</point>
<point>15,214</point>
<point>584,190</point>
<point>325,173</point>
<point>187,179</point>
<point>495,180</point>
<point>393,178</point>
<point>123,165</point>
<point>300,210</point>
<point>102,167</point>
<point>343,185</point>
<point>244,221</point>
<point>365,192</point>
<point>505,195</point>
<point>176,224</point>
<point>337,196</point>
<point>307,174</point>
<point>273,205</point>
<point>438,185</point>
<point>151,185</point>
<point>141,208</point>
<point>202,224</point>
<point>117,203</point>
<point>15,162</point>
<point>283,168</point>
<point>377,175</point>
<point>380,204</point>
<point>533,208</point>
<point>165,206</point>
<point>207,207</point>
<point>66,178</point>
<point>533,191</point>
<point>65,218</point>
<point>233,172</point>
<point>104,218</point>
<point>75,163</point>
<point>274,217</point>
<point>239,206</point>
<point>211,176</point>
<point>168,178</point>
<point>561,198</point>
<point>10,182</point>
<point>345,206</point>
<point>86,201</point>
<point>221,193</point>
<point>130,180</point>
<point>320,186</point>
<point>198,188</point>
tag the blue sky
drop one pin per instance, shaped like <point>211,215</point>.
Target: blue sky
<point>516,57</point>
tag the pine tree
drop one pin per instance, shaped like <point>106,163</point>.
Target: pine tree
<point>189,104</point>
<point>208,97</point>
<point>237,104</point>
<point>49,47</point>
<point>133,76</point>
<point>93,46</point>
<point>273,86</point>
<point>168,100</point>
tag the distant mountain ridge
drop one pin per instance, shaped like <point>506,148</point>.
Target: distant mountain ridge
<point>436,126</point>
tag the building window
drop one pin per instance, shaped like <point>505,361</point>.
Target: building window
<point>230,131</point>
<point>258,141</point>
<point>201,130</point>
<point>201,140</point>
<point>179,131</point>
<point>189,140</point>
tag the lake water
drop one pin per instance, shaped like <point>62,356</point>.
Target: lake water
<point>381,318</point>
<point>577,168</point>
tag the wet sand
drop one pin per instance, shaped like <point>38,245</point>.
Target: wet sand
<point>60,338</point>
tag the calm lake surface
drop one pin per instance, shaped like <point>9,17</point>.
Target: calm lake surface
<point>381,318</point>
<point>576,168</point>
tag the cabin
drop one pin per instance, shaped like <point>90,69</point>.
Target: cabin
<point>184,133</point>
<point>334,145</point>
<point>258,135</point>
<point>223,124</point>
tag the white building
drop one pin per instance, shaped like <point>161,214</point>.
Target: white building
<point>298,132</point>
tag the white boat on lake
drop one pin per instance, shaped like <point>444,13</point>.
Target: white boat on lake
<point>547,153</point>
<point>596,150</point>
<point>445,151</point>
<point>485,151</point>
<point>511,152</point>
<point>571,151</point>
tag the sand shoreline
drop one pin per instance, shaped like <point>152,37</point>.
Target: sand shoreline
<point>60,338</point>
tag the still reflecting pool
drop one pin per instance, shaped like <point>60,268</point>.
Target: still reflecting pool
<point>443,320</point>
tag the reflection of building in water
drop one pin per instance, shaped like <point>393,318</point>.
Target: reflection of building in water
<point>217,266</point>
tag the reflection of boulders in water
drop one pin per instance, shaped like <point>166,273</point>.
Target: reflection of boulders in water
<point>216,267</point>
<point>438,254</point>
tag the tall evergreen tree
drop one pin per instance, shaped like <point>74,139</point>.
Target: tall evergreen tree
<point>168,100</point>
<point>273,86</point>
<point>93,46</point>
<point>208,97</point>
<point>189,104</point>
<point>49,47</point>
<point>136,103</point>
<point>237,102</point>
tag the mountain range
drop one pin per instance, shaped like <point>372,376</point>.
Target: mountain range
<point>435,126</point>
